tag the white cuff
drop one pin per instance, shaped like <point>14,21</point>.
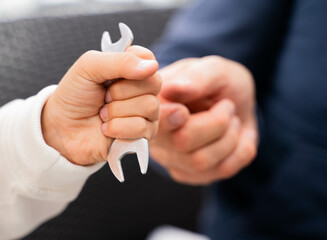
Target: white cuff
<point>41,170</point>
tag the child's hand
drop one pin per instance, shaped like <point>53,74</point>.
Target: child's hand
<point>132,107</point>
<point>71,121</point>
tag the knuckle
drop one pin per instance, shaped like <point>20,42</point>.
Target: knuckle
<point>227,171</point>
<point>154,130</point>
<point>116,90</point>
<point>126,61</point>
<point>177,176</point>
<point>152,106</point>
<point>113,129</point>
<point>215,61</point>
<point>249,152</point>
<point>196,70</point>
<point>82,66</point>
<point>111,109</point>
<point>150,132</point>
<point>156,83</point>
<point>126,57</point>
<point>141,126</point>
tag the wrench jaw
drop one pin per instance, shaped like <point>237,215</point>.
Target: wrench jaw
<point>142,154</point>
<point>120,46</point>
<point>127,36</point>
<point>120,148</point>
<point>105,42</point>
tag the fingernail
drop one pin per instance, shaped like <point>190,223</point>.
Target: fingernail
<point>104,113</point>
<point>104,127</point>
<point>230,107</point>
<point>177,118</point>
<point>144,64</point>
<point>236,123</point>
<point>108,98</point>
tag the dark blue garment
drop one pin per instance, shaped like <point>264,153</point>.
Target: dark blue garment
<point>283,194</point>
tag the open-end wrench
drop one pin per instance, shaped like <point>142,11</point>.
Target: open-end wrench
<point>121,147</point>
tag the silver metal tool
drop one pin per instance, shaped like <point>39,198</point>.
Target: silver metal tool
<point>120,147</point>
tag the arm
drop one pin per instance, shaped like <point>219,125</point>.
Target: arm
<point>37,183</point>
<point>245,31</point>
<point>52,142</point>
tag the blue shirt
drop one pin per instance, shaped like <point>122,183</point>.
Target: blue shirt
<point>283,194</point>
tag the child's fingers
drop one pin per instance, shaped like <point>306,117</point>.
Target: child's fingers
<point>126,89</point>
<point>141,52</point>
<point>130,128</point>
<point>146,106</point>
<point>95,66</point>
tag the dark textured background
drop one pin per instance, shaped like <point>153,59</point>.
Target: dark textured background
<point>35,53</point>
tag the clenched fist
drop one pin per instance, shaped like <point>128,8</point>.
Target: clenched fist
<point>82,117</point>
<point>207,126</point>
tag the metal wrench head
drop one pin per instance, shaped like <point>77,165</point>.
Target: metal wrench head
<point>120,148</point>
<point>120,46</point>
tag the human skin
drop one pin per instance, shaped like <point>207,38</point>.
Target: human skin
<point>208,128</point>
<point>82,117</point>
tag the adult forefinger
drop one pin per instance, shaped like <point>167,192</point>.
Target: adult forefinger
<point>191,79</point>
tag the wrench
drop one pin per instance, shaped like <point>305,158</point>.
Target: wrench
<point>121,147</point>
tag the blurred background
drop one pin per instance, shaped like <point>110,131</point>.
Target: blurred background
<point>16,9</point>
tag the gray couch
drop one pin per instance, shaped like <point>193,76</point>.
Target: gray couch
<point>37,52</point>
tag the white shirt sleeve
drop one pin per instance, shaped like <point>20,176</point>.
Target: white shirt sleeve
<point>36,182</point>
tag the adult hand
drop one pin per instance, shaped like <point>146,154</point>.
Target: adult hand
<point>207,126</point>
<point>71,122</point>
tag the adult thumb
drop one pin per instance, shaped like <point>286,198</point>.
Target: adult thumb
<point>172,116</point>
